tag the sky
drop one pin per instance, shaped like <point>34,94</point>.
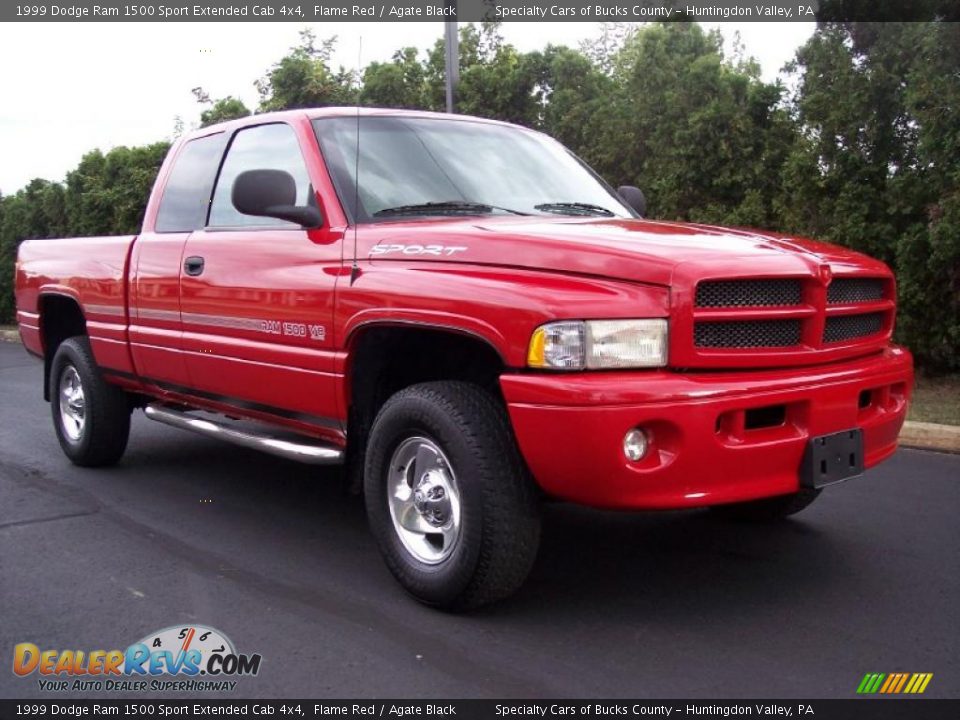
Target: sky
<point>70,88</point>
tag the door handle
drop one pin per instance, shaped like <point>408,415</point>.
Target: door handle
<point>193,265</point>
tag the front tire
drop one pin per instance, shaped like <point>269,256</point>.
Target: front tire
<point>90,416</point>
<point>768,509</point>
<point>449,500</point>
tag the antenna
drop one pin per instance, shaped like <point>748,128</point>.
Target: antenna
<point>355,268</point>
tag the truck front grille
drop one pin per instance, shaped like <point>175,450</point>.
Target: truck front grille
<point>845,291</point>
<point>770,321</point>
<point>848,327</point>
<point>748,293</point>
<point>747,334</point>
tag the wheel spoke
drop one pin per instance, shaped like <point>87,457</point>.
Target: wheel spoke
<point>412,520</point>
<point>72,403</point>
<point>403,493</point>
<point>450,531</point>
<point>425,460</point>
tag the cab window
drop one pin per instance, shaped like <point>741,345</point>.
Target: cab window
<point>264,147</point>
<point>186,196</point>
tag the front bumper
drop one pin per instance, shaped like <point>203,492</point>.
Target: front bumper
<point>716,437</point>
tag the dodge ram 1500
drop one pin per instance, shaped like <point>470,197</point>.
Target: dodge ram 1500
<point>469,320</point>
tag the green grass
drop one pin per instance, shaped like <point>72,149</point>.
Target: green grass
<point>936,400</point>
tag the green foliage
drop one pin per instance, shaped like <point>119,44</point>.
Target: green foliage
<point>697,132</point>
<point>304,78</point>
<point>35,211</point>
<point>220,110</point>
<point>396,84</point>
<point>862,151</point>
<point>874,166</point>
<point>572,93</point>
<point>107,194</point>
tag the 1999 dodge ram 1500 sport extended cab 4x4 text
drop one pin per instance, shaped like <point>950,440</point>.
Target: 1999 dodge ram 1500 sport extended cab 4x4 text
<point>468,318</point>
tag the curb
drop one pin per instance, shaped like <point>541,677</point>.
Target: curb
<point>931,436</point>
<point>924,435</point>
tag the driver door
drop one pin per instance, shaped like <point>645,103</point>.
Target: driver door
<point>257,294</point>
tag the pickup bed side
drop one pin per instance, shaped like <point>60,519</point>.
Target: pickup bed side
<point>77,287</point>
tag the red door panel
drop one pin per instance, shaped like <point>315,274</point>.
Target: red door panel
<point>257,322</point>
<point>155,329</point>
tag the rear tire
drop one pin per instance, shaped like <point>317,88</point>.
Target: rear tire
<point>449,500</point>
<point>768,509</point>
<point>90,416</point>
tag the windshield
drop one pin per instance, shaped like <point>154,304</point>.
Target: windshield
<point>439,167</point>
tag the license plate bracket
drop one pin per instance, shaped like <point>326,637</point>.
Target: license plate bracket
<point>832,458</point>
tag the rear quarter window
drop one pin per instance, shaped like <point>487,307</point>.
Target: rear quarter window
<point>186,197</point>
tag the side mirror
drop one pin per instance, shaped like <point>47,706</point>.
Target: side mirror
<point>272,193</point>
<point>633,196</point>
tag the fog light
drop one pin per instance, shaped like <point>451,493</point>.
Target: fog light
<point>635,444</point>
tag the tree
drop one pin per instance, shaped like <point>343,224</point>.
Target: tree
<point>602,49</point>
<point>496,81</point>
<point>399,83</point>
<point>36,211</point>
<point>875,165</point>
<point>220,110</point>
<point>304,78</point>
<point>571,92</point>
<point>928,252</point>
<point>107,194</point>
<point>699,133</point>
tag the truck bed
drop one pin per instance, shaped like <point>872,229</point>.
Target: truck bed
<point>92,271</point>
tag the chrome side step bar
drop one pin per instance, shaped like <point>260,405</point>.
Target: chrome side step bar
<point>301,449</point>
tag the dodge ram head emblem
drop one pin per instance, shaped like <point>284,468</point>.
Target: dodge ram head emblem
<point>826,275</point>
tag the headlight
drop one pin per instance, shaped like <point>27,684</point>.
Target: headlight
<point>598,344</point>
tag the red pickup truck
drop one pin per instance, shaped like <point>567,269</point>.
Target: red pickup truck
<point>470,320</point>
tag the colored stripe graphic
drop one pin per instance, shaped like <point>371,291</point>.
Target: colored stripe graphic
<point>894,683</point>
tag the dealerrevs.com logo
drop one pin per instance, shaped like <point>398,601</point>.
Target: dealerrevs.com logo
<point>187,658</point>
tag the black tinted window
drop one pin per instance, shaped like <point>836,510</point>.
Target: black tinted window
<point>183,207</point>
<point>264,147</point>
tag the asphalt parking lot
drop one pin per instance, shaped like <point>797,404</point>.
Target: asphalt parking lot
<point>188,530</point>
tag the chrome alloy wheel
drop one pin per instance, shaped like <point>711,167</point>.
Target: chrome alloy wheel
<point>424,500</point>
<point>73,405</point>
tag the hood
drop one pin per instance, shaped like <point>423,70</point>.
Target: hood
<point>635,250</point>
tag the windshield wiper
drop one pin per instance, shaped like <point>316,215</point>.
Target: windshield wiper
<point>574,208</point>
<point>447,207</point>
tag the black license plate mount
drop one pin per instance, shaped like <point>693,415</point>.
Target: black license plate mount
<point>832,458</point>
